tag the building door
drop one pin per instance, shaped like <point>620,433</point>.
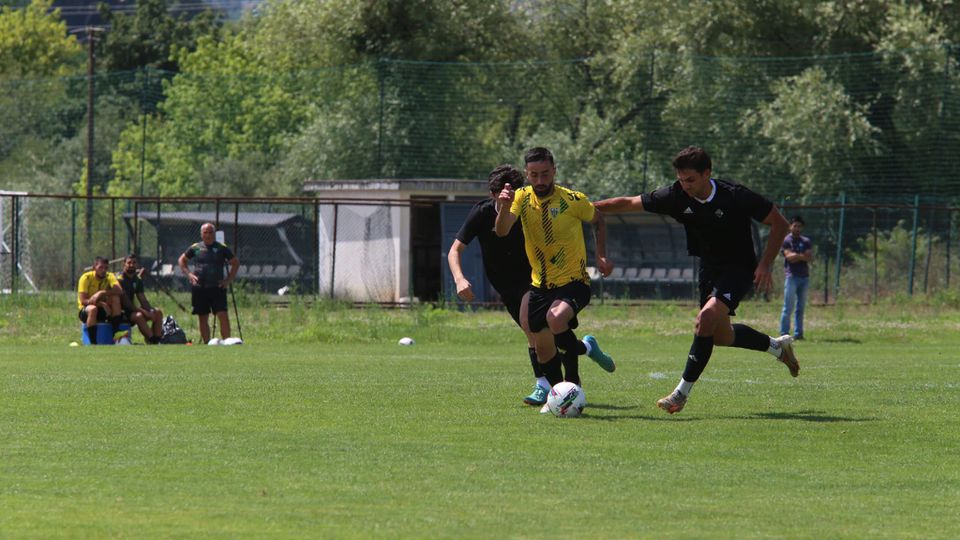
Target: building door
<point>425,249</point>
<point>452,215</point>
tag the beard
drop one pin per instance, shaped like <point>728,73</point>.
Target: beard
<point>543,191</point>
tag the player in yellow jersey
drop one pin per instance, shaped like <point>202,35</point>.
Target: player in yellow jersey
<point>552,217</point>
<point>98,298</point>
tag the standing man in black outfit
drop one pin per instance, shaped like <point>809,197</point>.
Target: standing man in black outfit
<point>209,288</point>
<point>506,265</point>
<point>716,216</point>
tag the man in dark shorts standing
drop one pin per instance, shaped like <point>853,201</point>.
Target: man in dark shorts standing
<point>507,268</point>
<point>552,217</point>
<point>716,216</point>
<point>133,294</point>
<point>209,288</point>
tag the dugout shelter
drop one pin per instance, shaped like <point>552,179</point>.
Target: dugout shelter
<point>274,248</point>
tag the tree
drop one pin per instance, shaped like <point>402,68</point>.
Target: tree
<point>34,42</point>
<point>149,36</point>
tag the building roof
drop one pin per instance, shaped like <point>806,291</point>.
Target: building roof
<point>262,219</point>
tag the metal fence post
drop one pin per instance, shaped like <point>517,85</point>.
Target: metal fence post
<point>333,255</point>
<point>73,238</point>
<point>913,243</point>
<point>876,282</point>
<point>14,241</point>
<point>949,241</point>
<point>926,266</point>
<point>843,213</point>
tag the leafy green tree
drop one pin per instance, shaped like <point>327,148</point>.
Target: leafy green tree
<point>149,36</point>
<point>815,134</point>
<point>34,42</point>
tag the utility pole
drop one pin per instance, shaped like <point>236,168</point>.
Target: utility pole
<point>91,63</point>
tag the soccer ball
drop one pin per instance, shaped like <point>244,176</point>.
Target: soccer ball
<point>566,400</point>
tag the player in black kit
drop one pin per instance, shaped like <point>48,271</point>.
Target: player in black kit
<point>506,265</point>
<point>716,216</point>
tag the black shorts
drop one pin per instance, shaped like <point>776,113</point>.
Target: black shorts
<point>728,284</point>
<point>512,298</point>
<point>101,315</point>
<point>208,299</point>
<point>576,294</point>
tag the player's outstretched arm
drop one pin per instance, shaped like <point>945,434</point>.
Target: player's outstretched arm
<point>763,275</point>
<point>604,265</point>
<point>505,218</point>
<point>464,288</point>
<point>618,205</point>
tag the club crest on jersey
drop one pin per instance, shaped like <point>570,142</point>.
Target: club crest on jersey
<point>719,213</point>
<point>554,212</point>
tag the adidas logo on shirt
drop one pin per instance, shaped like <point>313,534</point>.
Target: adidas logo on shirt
<point>688,211</point>
<point>727,296</point>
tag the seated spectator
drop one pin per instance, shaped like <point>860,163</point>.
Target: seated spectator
<point>132,285</point>
<point>98,297</point>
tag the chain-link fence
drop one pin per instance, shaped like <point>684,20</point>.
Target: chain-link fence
<point>801,128</point>
<point>393,251</point>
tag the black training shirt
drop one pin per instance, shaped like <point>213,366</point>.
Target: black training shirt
<point>132,286</point>
<point>504,259</point>
<point>209,262</point>
<point>718,231</point>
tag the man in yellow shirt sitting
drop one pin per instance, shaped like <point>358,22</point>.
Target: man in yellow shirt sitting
<point>98,297</point>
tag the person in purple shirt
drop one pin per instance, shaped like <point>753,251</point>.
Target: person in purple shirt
<point>797,253</point>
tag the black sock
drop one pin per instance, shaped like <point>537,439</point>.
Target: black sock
<point>552,370</point>
<point>537,370</point>
<point>700,353</point>
<point>571,368</point>
<point>745,337</point>
<point>92,334</point>
<point>114,322</point>
<point>568,342</point>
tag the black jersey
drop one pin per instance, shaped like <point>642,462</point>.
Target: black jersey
<point>132,286</point>
<point>209,262</point>
<point>718,230</point>
<point>504,259</point>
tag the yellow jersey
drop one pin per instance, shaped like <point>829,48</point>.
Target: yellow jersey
<point>553,231</point>
<point>90,284</point>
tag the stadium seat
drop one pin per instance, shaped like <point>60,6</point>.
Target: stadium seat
<point>617,274</point>
<point>646,274</point>
<point>673,275</point>
<point>254,271</point>
<point>687,275</point>
<point>280,271</point>
<point>267,270</point>
<point>630,274</point>
<point>659,274</point>
<point>293,270</point>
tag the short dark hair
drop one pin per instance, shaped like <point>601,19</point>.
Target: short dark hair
<point>536,154</point>
<point>504,174</point>
<point>130,256</point>
<point>98,260</point>
<point>692,157</point>
<point>798,219</point>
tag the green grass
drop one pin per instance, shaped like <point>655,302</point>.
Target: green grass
<point>321,426</point>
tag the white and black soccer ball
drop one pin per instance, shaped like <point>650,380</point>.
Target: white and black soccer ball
<point>566,400</point>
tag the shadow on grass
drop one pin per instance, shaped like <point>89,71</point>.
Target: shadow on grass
<point>840,340</point>
<point>806,416</point>
<point>617,417</point>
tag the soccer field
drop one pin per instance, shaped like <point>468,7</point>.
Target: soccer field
<point>371,439</point>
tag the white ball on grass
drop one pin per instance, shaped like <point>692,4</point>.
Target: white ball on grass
<point>406,341</point>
